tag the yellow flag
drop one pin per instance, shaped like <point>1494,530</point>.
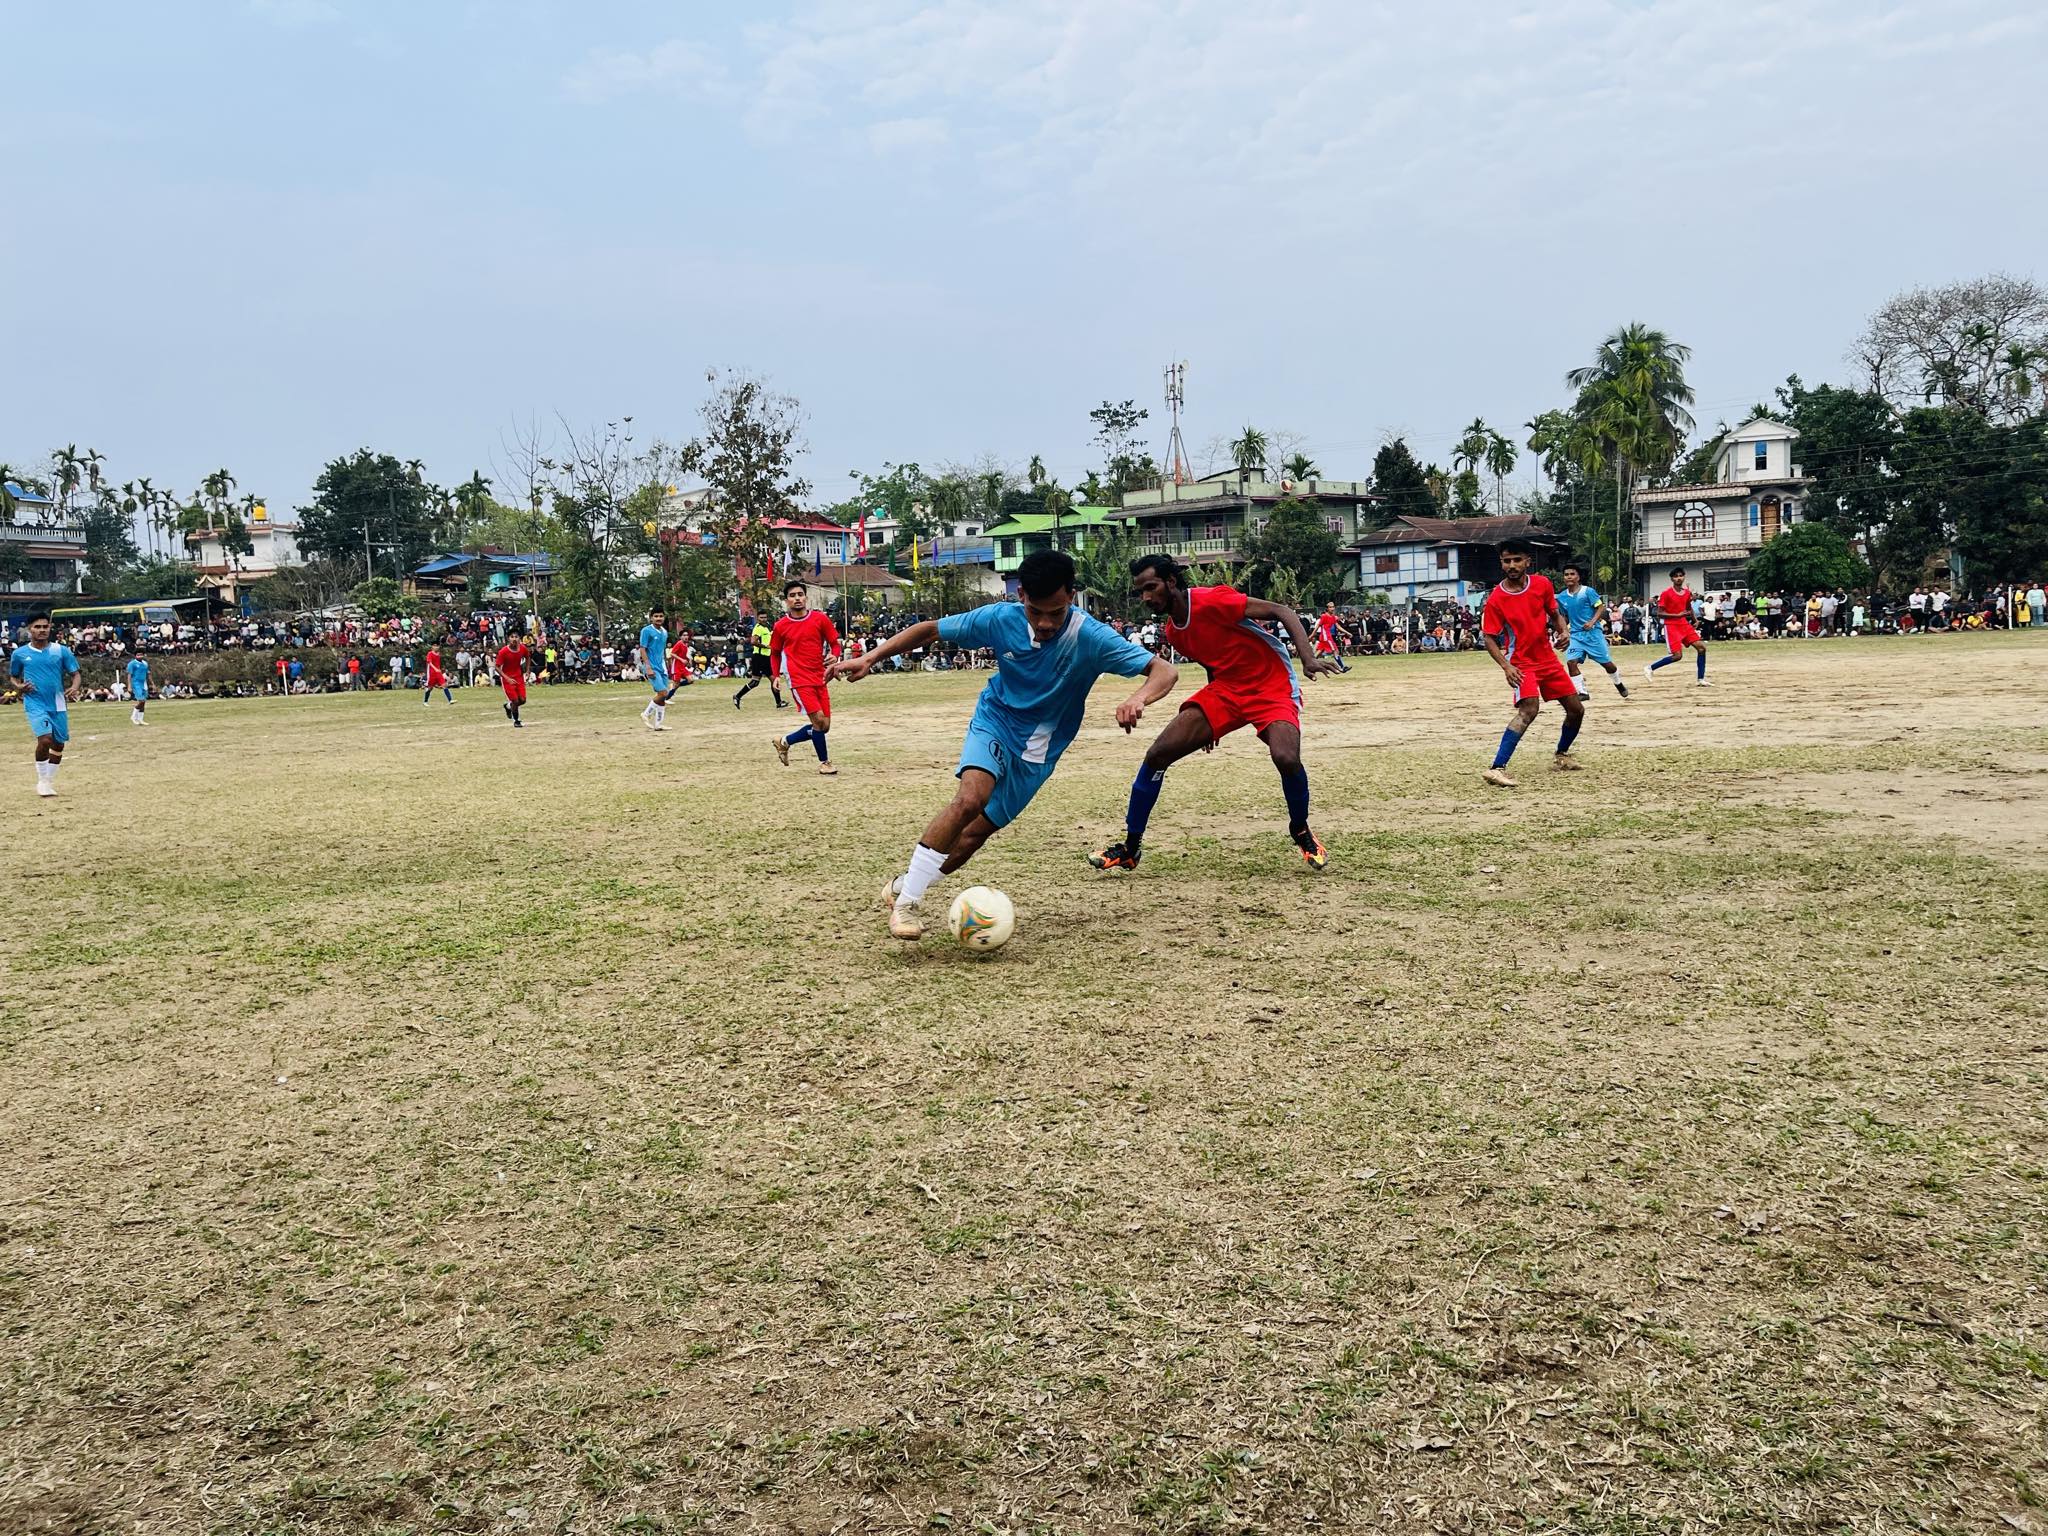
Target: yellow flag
<point>913,557</point>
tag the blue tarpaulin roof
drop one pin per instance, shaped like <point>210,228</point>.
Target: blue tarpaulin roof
<point>534,564</point>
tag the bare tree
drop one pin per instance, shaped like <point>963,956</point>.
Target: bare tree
<point>1953,343</point>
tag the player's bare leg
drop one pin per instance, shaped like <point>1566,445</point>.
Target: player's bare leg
<point>1574,717</point>
<point>1188,733</point>
<point>1523,717</point>
<point>1283,741</point>
<point>950,840</point>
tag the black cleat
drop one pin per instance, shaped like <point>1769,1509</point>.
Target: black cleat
<point>1116,856</point>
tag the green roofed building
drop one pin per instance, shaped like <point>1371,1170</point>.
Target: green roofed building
<point>1015,537</point>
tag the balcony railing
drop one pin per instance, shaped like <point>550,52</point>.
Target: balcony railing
<point>1188,547</point>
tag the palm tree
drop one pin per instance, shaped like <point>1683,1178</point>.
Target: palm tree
<point>93,460</point>
<point>1471,449</point>
<point>1035,472</point>
<point>1500,463</point>
<point>1439,486</point>
<point>1300,466</point>
<point>1248,452</point>
<point>1633,400</point>
<point>68,463</point>
<point>2020,368</point>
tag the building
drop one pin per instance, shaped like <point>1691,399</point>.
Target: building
<point>1445,559</point>
<point>863,586</point>
<point>1079,529</point>
<point>505,573</point>
<point>1713,529</point>
<point>1205,521</point>
<point>882,531</point>
<point>47,547</point>
<point>272,547</point>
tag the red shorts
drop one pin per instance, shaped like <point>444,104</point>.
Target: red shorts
<point>1227,709</point>
<point>811,698</point>
<point>437,680</point>
<point>1679,633</point>
<point>1544,679</point>
<point>515,689</point>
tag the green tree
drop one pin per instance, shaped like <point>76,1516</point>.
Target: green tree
<point>1126,465</point>
<point>1400,484</point>
<point>1297,543</point>
<point>1248,452</point>
<point>1806,558</point>
<point>381,598</point>
<point>110,546</point>
<point>367,507</point>
<point>1500,463</point>
<point>1976,484</point>
<point>1104,570</point>
<point>747,454</point>
<point>1299,466</point>
<point>1632,402</point>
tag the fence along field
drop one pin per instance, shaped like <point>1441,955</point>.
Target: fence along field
<point>422,1127</point>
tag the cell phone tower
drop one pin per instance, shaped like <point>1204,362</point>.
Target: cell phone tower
<point>1176,446</point>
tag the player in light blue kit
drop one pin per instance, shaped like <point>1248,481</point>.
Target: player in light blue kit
<point>1587,615</point>
<point>138,687</point>
<point>652,659</point>
<point>1048,656</point>
<point>46,675</point>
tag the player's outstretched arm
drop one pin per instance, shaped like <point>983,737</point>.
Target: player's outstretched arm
<point>1261,611</point>
<point>1160,676</point>
<point>854,668</point>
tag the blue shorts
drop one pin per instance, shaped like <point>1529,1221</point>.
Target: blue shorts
<point>658,681</point>
<point>990,748</point>
<point>47,722</point>
<point>1588,645</point>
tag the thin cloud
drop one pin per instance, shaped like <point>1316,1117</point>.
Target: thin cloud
<point>679,66</point>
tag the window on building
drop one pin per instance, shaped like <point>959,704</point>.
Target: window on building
<point>1763,457</point>
<point>1335,525</point>
<point>1213,529</point>
<point>1155,535</point>
<point>1262,524</point>
<point>1443,559</point>
<point>1009,549</point>
<point>802,547</point>
<point>1693,521</point>
<point>1386,565</point>
<point>1724,578</point>
<point>1756,515</point>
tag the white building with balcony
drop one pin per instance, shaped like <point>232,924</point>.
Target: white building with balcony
<point>273,546</point>
<point>46,549</point>
<point>1713,529</point>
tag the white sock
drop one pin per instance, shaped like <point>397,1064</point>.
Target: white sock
<point>44,770</point>
<point>660,713</point>
<point>1615,678</point>
<point>925,864</point>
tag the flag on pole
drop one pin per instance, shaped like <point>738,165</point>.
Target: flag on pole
<point>913,557</point>
<point>771,565</point>
<point>863,535</point>
<point>818,559</point>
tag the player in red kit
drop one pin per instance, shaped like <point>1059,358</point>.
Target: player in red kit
<point>514,656</point>
<point>1250,683</point>
<point>1522,611</point>
<point>1330,636</point>
<point>797,649</point>
<point>436,678</point>
<point>679,659</point>
<point>1675,604</point>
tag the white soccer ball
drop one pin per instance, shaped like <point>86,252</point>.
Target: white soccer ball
<point>982,918</point>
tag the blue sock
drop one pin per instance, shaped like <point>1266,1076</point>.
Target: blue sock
<point>1701,658</point>
<point>1144,795</point>
<point>1664,661</point>
<point>1295,786</point>
<point>1569,734</point>
<point>818,741</point>
<point>801,733</point>
<point>1509,740</point>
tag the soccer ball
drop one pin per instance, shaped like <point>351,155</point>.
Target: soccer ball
<point>982,918</point>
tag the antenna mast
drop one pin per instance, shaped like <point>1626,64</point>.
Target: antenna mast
<point>1176,447</point>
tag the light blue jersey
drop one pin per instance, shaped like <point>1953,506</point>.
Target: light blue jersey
<point>1031,708</point>
<point>42,675</point>
<point>138,679</point>
<point>1586,641</point>
<point>654,643</point>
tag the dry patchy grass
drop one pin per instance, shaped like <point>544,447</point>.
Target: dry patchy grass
<point>418,1126</point>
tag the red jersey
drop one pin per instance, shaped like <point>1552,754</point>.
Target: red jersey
<point>1236,652</point>
<point>1326,629</point>
<point>798,646</point>
<point>1674,603</point>
<point>435,676</point>
<point>1524,617</point>
<point>512,660</point>
<point>679,657</point>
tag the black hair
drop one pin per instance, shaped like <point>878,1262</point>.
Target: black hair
<point>1518,547</point>
<point>794,585</point>
<point>1573,565</point>
<point>1678,570</point>
<point>1165,567</point>
<point>1046,572</point>
<point>40,613</point>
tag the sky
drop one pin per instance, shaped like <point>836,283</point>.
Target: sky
<point>261,233</point>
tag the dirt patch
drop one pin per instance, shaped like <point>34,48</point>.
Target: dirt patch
<point>1998,808</point>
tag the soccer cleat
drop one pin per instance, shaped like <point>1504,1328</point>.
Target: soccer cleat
<point>45,788</point>
<point>827,769</point>
<point>781,703</point>
<point>1313,853</point>
<point>1564,762</point>
<point>1703,683</point>
<point>782,750</point>
<point>1117,856</point>
<point>1621,688</point>
<point>906,921</point>
<point>1498,777</point>
<point>135,715</point>
<point>736,699</point>
<point>889,891</point>
<point>1650,670</point>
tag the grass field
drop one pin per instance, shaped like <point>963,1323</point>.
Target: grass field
<point>415,1125</point>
